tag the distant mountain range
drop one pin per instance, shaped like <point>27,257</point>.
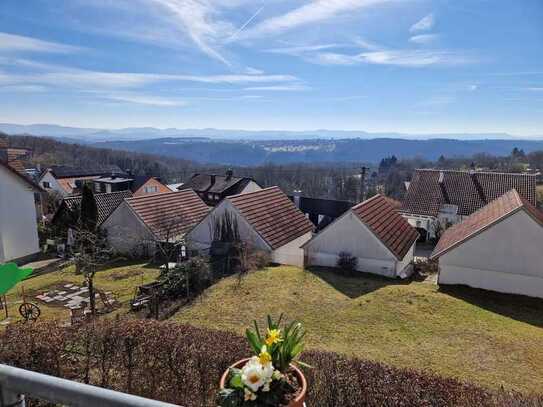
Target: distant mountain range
<point>245,148</point>
<point>90,135</point>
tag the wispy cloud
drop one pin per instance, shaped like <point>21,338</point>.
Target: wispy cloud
<point>143,99</point>
<point>405,58</point>
<point>536,89</point>
<point>301,50</point>
<point>233,37</point>
<point>424,24</point>
<point>424,38</point>
<point>287,88</point>
<point>313,12</point>
<point>11,42</point>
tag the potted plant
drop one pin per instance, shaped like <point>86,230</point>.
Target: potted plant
<point>270,378</point>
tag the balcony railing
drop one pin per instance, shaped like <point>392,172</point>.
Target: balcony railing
<point>16,384</point>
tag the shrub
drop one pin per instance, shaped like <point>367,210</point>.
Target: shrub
<point>188,278</point>
<point>182,364</point>
<point>347,262</point>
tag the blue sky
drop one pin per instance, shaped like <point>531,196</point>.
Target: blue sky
<point>419,66</point>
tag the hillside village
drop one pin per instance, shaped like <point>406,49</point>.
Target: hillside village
<point>452,229</point>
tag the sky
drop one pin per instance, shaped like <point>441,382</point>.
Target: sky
<point>411,66</point>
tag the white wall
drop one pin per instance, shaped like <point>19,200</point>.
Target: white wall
<point>349,234</point>
<point>126,233</point>
<point>291,253</point>
<point>54,184</point>
<point>404,268</point>
<point>251,187</point>
<point>507,257</point>
<point>201,236</point>
<point>18,225</point>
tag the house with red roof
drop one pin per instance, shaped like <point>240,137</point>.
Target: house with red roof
<point>266,219</point>
<point>374,233</point>
<point>138,223</point>
<point>499,248</point>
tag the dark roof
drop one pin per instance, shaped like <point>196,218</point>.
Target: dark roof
<point>22,177</point>
<point>218,184</point>
<point>106,203</point>
<point>467,190</point>
<point>497,210</point>
<point>273,215</point>
<point>387,224</point>
<point>173,213</point>
<point>63,171</point>
<point>328,207</point>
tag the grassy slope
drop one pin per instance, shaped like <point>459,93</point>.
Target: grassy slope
<point>469,334</point>
<point>121,281</point>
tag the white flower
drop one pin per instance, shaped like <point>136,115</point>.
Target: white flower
<point>266,387</point>
<point>252,374</point>
<point>249,395</point>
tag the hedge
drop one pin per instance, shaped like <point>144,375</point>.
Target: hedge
<point>182,364</point>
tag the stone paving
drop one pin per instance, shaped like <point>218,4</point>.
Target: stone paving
<point>70,296</point>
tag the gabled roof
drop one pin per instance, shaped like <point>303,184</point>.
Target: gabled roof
<point>25,179</point>
<point>68,184</point>
<point>272,215</point>
<point>64,171</point>
<point>170,213</point>
<point>497,210</point>
<point>430,189</point>
<point>216,183</point>
<point>384,221</point>
<point>106,203</point>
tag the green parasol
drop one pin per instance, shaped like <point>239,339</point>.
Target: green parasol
<point>10,275</point>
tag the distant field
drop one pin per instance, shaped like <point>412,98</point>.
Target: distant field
<point>477,336</point>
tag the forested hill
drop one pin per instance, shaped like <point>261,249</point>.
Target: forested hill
<point>245,153</point>
<point>48,152</point>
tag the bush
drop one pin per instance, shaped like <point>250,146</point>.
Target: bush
<point>347,262</point>
<point>182,364</point>
<point>188,278</point>
<point>258,259</point>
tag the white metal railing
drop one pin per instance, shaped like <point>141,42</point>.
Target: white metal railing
<point>17,383</point>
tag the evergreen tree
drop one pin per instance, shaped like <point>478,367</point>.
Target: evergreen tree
<point>89,210</point>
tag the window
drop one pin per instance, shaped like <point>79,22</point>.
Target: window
<point>151,189</point>
<point>46,184</point>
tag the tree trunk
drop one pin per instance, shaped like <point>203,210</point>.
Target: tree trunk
<point>92,299</point>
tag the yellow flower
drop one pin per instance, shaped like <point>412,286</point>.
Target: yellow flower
<point>264,356</point>
<point>273,336</point>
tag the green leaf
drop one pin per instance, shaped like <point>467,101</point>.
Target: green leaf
<point>253,341</point>
<point>235,382</point>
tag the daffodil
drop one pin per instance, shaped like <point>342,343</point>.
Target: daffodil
<point>273,336</point>
<point>264,357</point>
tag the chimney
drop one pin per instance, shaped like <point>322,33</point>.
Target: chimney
<point>229,174</point>
<point>444,192</point>
<point>212,176</point>
<point>297,195</point>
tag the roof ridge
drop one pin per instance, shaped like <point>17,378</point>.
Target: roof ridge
<point>476,172</point>
<point>255,192</point>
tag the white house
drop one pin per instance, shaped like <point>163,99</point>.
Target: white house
<point>18,224</point>
<point>139,223</point>
<point>372,231</point>
<point>267,220</point>
<point>499,248</point>
<point>438,198</point>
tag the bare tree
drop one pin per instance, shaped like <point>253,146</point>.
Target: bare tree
<point>168,237</point>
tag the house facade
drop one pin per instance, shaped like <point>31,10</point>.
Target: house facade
<point>267,220</point>
<point>497,248</point>
<point>374,233</point>
<point>437,199</point>
<point>18,225</point>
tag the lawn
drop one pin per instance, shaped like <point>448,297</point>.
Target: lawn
<point>121,281</point>
<point>473,335</point>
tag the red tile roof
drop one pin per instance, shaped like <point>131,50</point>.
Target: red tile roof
<point>273,215</point>
<point>469,191</point>
<point>387,224</point>
<point>171,213</point>
<point>30,183</point>
<point>497,210</point>
<point>18,166</point>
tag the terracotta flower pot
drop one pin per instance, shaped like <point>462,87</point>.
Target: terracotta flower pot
<point>297,402</point>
